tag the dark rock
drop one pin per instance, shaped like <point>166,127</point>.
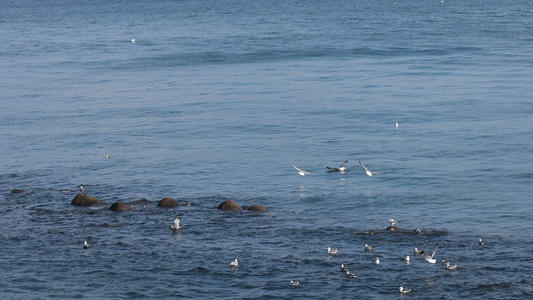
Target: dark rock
<point>168,202</point>
<point>257,207</point>
<point>229,205</point>
<point>95,212</point>
<point>136,202</point>
<point>17,191</point>
<point>119,206</point>
<point>85,200</point>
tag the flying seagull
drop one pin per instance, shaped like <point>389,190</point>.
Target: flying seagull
<point>300,171</point>
<point>342,168</point>
<point>368,172</point>
<point>429,257</point>
<point>176,224</point>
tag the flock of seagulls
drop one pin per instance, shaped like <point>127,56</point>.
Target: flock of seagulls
<point>341,168</point>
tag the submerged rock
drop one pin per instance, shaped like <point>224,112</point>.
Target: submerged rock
<point>141,201</point>
<point>119,206</point>
<point>229,205</point>
<point>17,191</point>
<point>257,207</point>
<point>168,202</point>
<point>95,212</point>
<point>85,200</point>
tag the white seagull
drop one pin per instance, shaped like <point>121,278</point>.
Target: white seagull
<point>406,258</point>
<point>404,291</point>
<point>300,171</point>
<point>417,251</point>
<point>377,261</point>
<point>234,263</point>
<point>332,251</point>
<point>393,222</point>
<point>133,40</point>
<point>343,268</point>
<point>85,245</point>
<point>481,243</point>
<point>368,172</point>
<point>369,248</point>
<point>397,125</point>
<point>350,275</point>
<point>450,267</point>
<point>342,167</point>
<point>295,283</point>
<point>176,224</point>
<point>81,189</point>
<point>429,257</point>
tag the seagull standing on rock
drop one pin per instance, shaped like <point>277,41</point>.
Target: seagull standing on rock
<point>81,189</point>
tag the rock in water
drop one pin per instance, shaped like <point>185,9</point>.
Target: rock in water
<point>85,200</point>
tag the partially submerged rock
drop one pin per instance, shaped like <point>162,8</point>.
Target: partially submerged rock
<point>119,206</point>
<point>229,205</point>
<point>168,202</point>
<point>85,200</point>
<point>257,207</point>
<point>17,191</point>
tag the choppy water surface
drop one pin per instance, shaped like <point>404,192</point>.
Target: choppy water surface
<point>216,100</point>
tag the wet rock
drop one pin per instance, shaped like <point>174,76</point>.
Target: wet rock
<point>95,212</point>
<point>137,202</point>
<point>257,207</point>
<point>85,200</point>
<point>168,202</point>
<point>229,205</point>
<point>17,191</point>
<point>119,206</point>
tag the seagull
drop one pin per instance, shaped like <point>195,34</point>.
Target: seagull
<point>295,283</point>
<point>343,268</point>
<point>85,245</point>
<point>393,222</point>
<point>481,243</point>
<point>350,275</point>
<point>300,171</point>
<point>81,189</point>
<point>406,258</point>
<point>397,125</point>
<point>369,248</point>
<point>377,261</point>
<point>417,252</point>
<point>332,252</point>
<point>404,291</point>
<point>368,172</point>
<point>429,258</point>
<point>450,267</point>
<point>234,263</point>
<point>133,40</point>
<point>176,224</point>
<point>342,168</point>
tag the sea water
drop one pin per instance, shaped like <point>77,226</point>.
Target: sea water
<point>208,101</point>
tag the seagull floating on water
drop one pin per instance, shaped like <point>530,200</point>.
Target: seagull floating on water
<point>333,251</point>
<point>368,172</point>
<point>234,263</point>
<point>133,40</point>
<point>481,243</point>
<point>295,283</point>
<point>300,171</point>
<point>429,257</point>
<point>350,275</point>
<point>377,261</point>
<point>176,224</point>
<point>450,267</point>
<point>404,291</point>
<point>343,268</point>
<point>342,167</point>
<point>369,248</point>
<point>81,189</point>
<point>405,258</point>
<point>85,245</point>
<point>397,125</point>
